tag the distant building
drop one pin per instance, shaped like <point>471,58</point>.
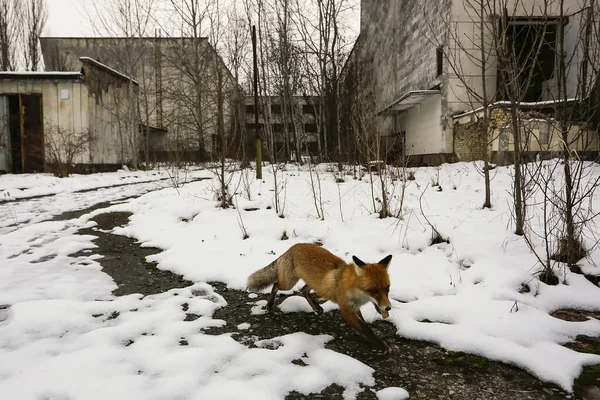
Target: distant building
<point>179,87</point>
<point>39,108</point>
<point>281,124</point>
<point>401,58</point>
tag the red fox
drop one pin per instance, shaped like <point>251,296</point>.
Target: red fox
<point>348,285</point>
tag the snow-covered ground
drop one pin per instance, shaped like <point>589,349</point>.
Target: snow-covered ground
<point>57,339</point>
<point>73,193</point>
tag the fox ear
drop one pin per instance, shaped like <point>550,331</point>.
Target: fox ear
<point>358,261</point>
<point>386,261</point>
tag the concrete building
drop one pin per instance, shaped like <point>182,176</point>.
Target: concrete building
<point>419,61</point>
<point>43,110</point>
<point>281,125</point>
<point>181,81</point>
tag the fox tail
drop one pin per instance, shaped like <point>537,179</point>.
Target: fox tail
<point>263,277</point>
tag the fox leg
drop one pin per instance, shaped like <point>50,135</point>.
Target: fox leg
<point>271,299</point>
<point>355,320</point>
<point>311,300</point>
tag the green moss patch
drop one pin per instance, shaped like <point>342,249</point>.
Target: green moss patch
<point>466,361</point>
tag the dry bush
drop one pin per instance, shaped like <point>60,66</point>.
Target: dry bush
<point>62,148</point>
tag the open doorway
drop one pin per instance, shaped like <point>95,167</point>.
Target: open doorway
<point>25,133</point>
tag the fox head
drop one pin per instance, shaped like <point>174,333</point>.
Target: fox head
<point>374,281</point>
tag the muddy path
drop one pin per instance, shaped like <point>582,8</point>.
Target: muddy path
<point>426,370</point>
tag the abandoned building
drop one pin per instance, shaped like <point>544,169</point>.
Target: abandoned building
<point>414,68</point>
<point>290,126</point>
<point>88,112</point>
<point>181,82</point>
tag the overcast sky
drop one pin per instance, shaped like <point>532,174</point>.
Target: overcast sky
<point>68,18</point>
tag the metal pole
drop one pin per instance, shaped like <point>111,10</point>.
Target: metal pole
<point>256,126</point>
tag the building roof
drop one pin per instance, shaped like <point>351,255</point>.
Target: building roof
<point>409,100</point>
<point>106,68</point>
<point>36,75</point>
<point>60,75</point>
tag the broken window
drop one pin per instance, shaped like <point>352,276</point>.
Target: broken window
<point>530,57</point>
<point>310,128</point>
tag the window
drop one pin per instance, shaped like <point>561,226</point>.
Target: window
<point>310,109</point>
<point>276,108</point>
<point>533,44</point>
<point>439,58</point>
<point>251,126</point>
<point>310,128</point>
<point>249,108</point>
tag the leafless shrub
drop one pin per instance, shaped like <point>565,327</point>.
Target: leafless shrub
<point>63,147</point>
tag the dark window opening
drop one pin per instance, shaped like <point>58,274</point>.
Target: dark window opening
<point>532,47</point>
<point>249,108</point>
<point>276,108</point>
<point>310,109</point>
<point>439,58</point>
<point>310,128</point>
<point>253,126</point>
<point>277,128</point>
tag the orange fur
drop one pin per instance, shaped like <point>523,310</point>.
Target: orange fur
<point>348,285</point>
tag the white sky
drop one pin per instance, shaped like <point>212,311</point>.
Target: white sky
<point>68,18</point>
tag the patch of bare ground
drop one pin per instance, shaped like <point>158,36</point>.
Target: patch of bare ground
<point>426,370</point>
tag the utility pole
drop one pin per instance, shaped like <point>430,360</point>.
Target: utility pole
<point>256,126</point>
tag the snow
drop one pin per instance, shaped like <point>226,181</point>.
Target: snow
<point>464,295</point>
<point>68,194</point>
<point>392,393</point>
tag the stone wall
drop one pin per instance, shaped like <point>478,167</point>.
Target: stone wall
<point>470,141</point>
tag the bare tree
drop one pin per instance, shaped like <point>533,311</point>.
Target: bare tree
<point>35,16</point>
<point>127,23</point>
<point>325,50</point>
<point>11,18</point>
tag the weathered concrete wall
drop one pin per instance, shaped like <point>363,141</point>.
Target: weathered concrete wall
<point>63,106</point>
<point>169,75</point>
<point>421,125</point>
<point>464,50</point>
<point>113,117</point>
<point>94,108</point>
<point>398,39</point>
<point>539,135</point>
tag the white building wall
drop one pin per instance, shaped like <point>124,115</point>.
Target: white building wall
<point>465,54</point>
<point>423,129</point>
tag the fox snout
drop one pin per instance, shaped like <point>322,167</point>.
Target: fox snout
<point>383,307</point>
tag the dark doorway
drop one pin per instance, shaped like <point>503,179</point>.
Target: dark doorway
<point>26,133</point>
